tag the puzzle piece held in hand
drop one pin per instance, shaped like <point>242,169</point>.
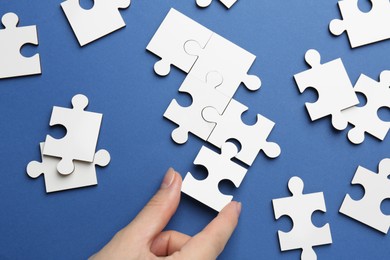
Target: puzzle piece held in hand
<point>333,85</point>
<point>252,138</point>
<point>363,27</point>
<point>82,131</point>
<point>83,175</point>
<point>220,167</point>
<point>102,19</point>
<point>365,118</point>
<point>169,40</point>
<point>205,3</point>
<point>300,208</point>
<point>377,189</point>
<point>12,38</point>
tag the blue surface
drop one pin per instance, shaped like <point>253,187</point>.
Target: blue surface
<point>116,73</point>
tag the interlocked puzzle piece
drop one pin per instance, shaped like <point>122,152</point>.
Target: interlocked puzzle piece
<point>82,131</point>
<point>333,85</point>
<point>83,175</point>
<point>90,25</point>
<point>300,208</point>
<point>168,42</point>
<point>377,189</point>
<point>363,27</point>
<point>190,118</point>
<point>252,138</point>
<point>220,167</point>
<point>205,3</point>
<point>225,57</point>
<point>12,38</point>
<point>365,119</point>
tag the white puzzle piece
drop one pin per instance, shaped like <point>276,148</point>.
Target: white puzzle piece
<point>252,138</point>
<point>365,118</point>
<point>205,3</point>
<point>220,167</point>
<point>363,27</point>
<point>82,131</point>
<point>190,118</point>
<point>12,38</point>
<point>333,85</point>
<point>225,57</point>
<point>168,42</point>
<point>377,189</point>
<point>83,175</point>
<point>102,19</point>
<point>300,207</point>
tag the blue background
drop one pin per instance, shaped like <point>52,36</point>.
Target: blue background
<point>116,73</point>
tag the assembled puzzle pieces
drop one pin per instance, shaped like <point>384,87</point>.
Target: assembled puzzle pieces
<point>90,25</point>
<point>220,167</point>
<point>333,85</point>
<point>377,189</point>
<point>300,207</point>
<point>82,131</point>
<point>205,3</point>
<point>12,38</point>
<point>363,27</point>
<point>83,175</point>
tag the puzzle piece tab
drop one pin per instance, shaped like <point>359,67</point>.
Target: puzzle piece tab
<point>300,207</point>
<point>220,167</point>
<point>83,175</point>
<point>12,38</point>
<point>363,27</point>
<point>333,85</point>
<point>102,19</point>
<point>377,189</point>
<point>82,131</point>
<point>205,3</point>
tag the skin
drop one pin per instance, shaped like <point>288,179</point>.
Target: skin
<point>144,237</point>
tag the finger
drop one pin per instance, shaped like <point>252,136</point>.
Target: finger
<point>213,238</point>
<point>168,242</point>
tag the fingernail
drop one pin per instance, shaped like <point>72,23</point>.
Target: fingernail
<point>168,179</point>
<point>238,207</point>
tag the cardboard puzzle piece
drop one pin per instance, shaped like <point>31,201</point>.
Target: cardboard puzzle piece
<point>102,19</point>
<point>363,28</point>
<point>220,167</point>
<point>205,3</point>
<point>333,85</point>
<point>252,138</point>
<point>169,40</point>
<point>300,207</point>
<point>225,57</point>
<point>12,38</point>
<point>377,189</point>
<point>83,175</point>
<point>190,118</point>
<point>82,131</point>
<point>365,118</point>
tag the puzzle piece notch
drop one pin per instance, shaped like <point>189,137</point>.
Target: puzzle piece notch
<point>377,189</point>
<point>83,175</point>
<point>206,3</point>
<point>333,85</point>
<point>300,208</point>
<point>220,167</point>
<point>102,19</point>
<point>81,137</point>
<point>13,38</point>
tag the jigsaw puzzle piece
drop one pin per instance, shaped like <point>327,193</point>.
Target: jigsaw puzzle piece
<point>220,167</point>
<point>377,189</point>
<point>300,207</point>
<point>363,27</point>
<point>225,57</point>
<point>333,85</point>
<point>82,131</point>
<point>83,175</point>
<point>169,40</point>
<point>12,38</point>
<point>102,19</point>
<point>206,3</point>
<point>190,118</point>
<point>252,138</point>
<point>365,119</point>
